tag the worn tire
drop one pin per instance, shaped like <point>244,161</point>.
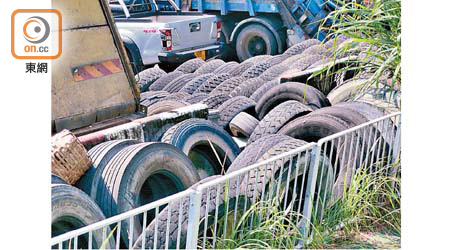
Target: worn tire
<point>73,209</point>
<point>334,42</point>
<point>277,118</point>
<point>247,34</point>
<point>241,68</point>
<point>278,59</point>
<point>305,62</point>
<point>212,82</point>
<point>226,68</point>
<point>193,84</point>
<point>348,115</point>
<point>243,124</point>
<point>164,80</point>
<point>346,91</point>
<point>273,72</point>
<point>177,96</point>
<point>229,109</point>
<point>298,48</point>
<point>214,101</point>
<point>190,65</point>
<point>142,173</point>
<point>164,106</point>
<point>147,77</point>
<point>210,66</point>
<point>290,91</point>
<point>256,70</point>
<point>259,92</point>
<point>195,136</point>
<point>248,87</point>
<point>151,97</point>
<point>317,49</point>
<point>195,98</point>
<point>176,84</point>
<point>58,180</point>
<point>229,85</point>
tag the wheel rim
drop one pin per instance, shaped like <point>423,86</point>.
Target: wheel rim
<point>257,46</point>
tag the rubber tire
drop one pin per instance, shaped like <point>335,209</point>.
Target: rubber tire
<point>130,168</point>
<point>176,96</point>
<point>305,62</point>
<point>69,203</point>
<point>194,132</point>
<point>210,66</point>
<point>193,84</point>
<point>228,86</point>
<point>195,98</point>
<point>229,109</point>
<point>256,70</point>
<point>165,106</point>
<point>259,92</point>
<point>278,117</point>
<point>273,72</point>
<point>346,91</point>
<point>290,91</point>
<point>249,32</point>
<point>243,124</point>
<point>335,42</point>
<point>151,97</point>
<point>214,101</point>
<point>164,80</point>
<point>278,59</point>
<point>190,65</point>
<point>226,68</point>
<point>317,49</point>
<point>257,59</point>
<point>176,84</point>
<point>58,180</point>
<point>241,68</point>
<point>210,84</point>
<point>348,115</point>
<point>298,48</point>
<point>248,87</point>
<point>147,77</point>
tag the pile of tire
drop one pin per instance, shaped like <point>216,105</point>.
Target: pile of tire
<point>253,105</point>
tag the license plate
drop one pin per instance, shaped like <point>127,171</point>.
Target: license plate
<point>200,54</point>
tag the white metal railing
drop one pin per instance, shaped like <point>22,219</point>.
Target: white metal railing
<point>305,180</point>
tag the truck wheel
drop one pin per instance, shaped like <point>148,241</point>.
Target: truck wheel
<point>190,65</point>
<point>196,98</point>
<point>255,40</point>
<point>214,81</point>
<point>176,84</point>
<point>147,77</point>
<point>210,66</point>
<point>195,137</point>
<point>243,125</point>
<point>140,174</point>
<point>73,209</point>
<point>248,87</point>
<point>277,117</point>
<point>229,109</point>
<point>164,106</point>
<point>228,86</point>
<point>214,101</point>
<point>164,80</point>
<point>193,84</point>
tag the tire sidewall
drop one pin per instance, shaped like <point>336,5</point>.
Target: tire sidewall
<point>249,32</point>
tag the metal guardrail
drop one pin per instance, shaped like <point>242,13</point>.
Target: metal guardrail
<point>305,180</point>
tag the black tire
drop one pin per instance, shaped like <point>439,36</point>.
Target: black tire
<point>214,101</point>
<point>243,124</point>
<point>195,137</point>
<point>176,84</point>
<point>243,66</point>
<point>229,109</point>
<point>305,62</point>
<point>348,115</point>
<point>164,80</point>
<point>190,65</point>
<point>254,151</point>
<point>193,84</point>
<point>256,70</point>
<point>148,77</point>
<point>298,48</point>
<point>178,96</point>
<point>72,209</point>
<point>140,174</point>
<point>257,59</point>
<point>226,68</point>
<point>100,155</point>
<point>273,72</point>
<point>210,66</point>
<point>290,91</point>
<point>229,85</point>
<point>248,87</point>
<point>58,180</point>
<point>196,98</point>
<point>151,97</point>
<point>210,84</point>
<point>278,59</point>
<point>164,106</point>
<point>259,92</point>
<point>255,40</point>
<point>277,118</point>
<point>207,213</point>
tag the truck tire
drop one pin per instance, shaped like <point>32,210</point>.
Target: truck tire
<point>273,72</point>
<point>164,80</point>
<point>196,98</point>
<point>256,70</point>
<point>214,81</point>
<point>255,40</point>
<point>276,60</point>
<point>317,49</point>
<point>164,106</point>
<point>193,84</point>
<point>190,65</point>
<point>151,97</point>
<point>334,42</point>
<point>72,209</point>
<point>345,91</point>
<point>214,101</point>
<point>305,62</point>
<point>321,63</point>
<point>348,115</point>
<point>140,174</point>
<point>254,151</point>
<point>178,96</point>
<point>176,84</point>
<point>259,92</point>
<point>181,228</point>
<point>228,86</point>
<point>290,91</point>
<point>229,109</point>
<point>195,136</point>
<point>243,124</point>
<point>248,87</point>
<point>58,180</point>
<point>243,66</point>
<point>298,48</point>
<point>257,59</point>
<point>210,66</point>
<point>100,155</point>
<point>148,77</point>
<point>277,118</point>
<point>226,68</point>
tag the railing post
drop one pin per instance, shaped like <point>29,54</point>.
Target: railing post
<point>309,195</point>
<point>195,200</point>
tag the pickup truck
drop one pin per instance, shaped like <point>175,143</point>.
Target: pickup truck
<point>159,32</point>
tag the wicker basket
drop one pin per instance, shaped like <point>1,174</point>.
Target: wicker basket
<point>69,157</point>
